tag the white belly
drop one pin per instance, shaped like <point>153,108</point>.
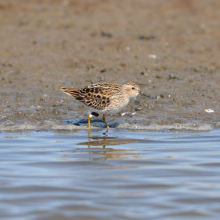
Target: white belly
<point>115,107</point>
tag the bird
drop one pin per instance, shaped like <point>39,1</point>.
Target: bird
<point>104,98</point>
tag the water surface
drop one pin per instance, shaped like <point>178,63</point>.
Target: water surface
<point>125,175</point>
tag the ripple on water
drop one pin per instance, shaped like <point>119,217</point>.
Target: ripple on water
<point>125,175</point>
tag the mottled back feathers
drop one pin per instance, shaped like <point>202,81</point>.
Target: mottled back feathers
<point>108,97</point>
<point>96,96</point>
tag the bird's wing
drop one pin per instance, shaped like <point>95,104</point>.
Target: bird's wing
<point>96,96</point>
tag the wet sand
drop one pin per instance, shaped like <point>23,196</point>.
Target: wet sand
<point>170,48</point>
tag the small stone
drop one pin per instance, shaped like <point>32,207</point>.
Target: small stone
<point>142,37</point>
<point>171,76</point>
<point>152,56</point>
<point>138,109</point>
<point>104,34</point>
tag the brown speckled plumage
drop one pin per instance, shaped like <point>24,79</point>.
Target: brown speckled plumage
<point>96,96</point>
<point>105,98</point>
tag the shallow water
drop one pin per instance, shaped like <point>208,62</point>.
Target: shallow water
<point>125,175</point>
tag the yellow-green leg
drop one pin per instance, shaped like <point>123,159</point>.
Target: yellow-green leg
<point>103,118</point>
<point>89,122</point>
<point>89,134</point>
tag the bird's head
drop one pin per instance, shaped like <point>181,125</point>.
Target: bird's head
<point>131,89</point>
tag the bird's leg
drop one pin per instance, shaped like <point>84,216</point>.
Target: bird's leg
<point>103,118</point>
<point>89,121</point>
<point>89,133</point>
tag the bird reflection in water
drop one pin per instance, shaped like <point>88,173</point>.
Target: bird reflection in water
<point>109,153</point>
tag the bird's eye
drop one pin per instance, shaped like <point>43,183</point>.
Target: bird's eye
<point>133,88</point>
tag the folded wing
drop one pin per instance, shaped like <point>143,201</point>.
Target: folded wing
<point>93,96</point>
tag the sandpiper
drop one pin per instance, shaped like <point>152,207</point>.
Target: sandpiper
<point>104,98</point>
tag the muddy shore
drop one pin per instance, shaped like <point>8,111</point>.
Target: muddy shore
<point>170,48</point>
